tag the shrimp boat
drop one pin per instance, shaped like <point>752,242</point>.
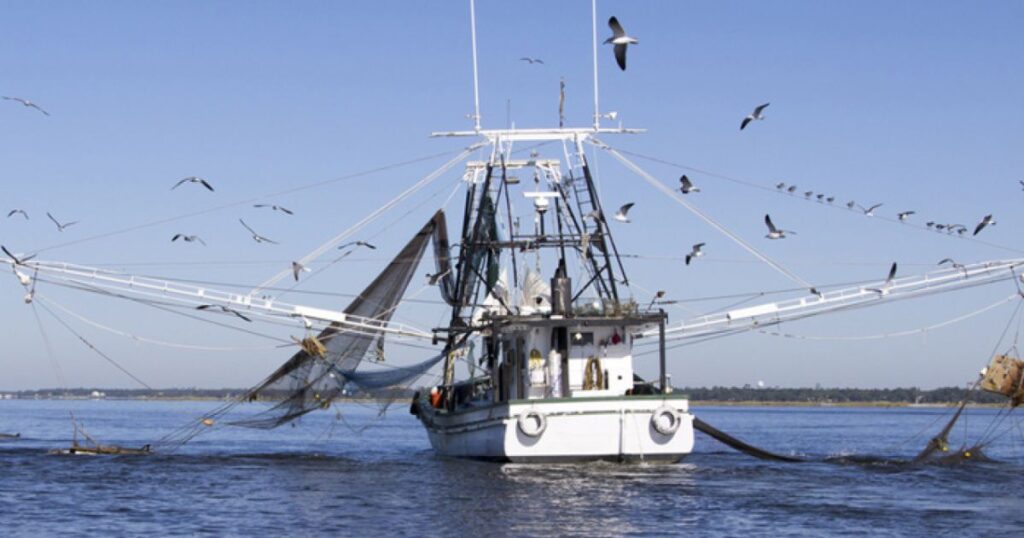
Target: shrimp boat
<point>557,380</point>
<point>550,361</point>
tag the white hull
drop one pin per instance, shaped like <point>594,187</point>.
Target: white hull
<point>575,429</point>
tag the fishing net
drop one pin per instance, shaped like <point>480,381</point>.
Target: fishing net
<point>326,365</point>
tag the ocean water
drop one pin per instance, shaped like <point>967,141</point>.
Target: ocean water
<point>358,472</point>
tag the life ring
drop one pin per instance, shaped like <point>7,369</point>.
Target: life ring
<point>532,423</point>
<point>665,420</point>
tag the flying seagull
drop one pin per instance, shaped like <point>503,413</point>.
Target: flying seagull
<point>621,214</point>
<point>255,236</point>
<point>60,227</point>
<point>223,309</point>
<point>27,103</point>
<point>757,114</point>
<point>869,212</point>
<point>358,244</point>
<point>531,60</point>
<point>686,185</point>
<point>620,40</point>
<point>284,210</point>
<point>984,222</point>
<point>193,179</point>
<point>904,215</point>
<point>298,268</point>
<point>17,261</point>
<point>188,239</point>
<point>887,285</point>
<point>773,232</point>
<point>16,211</point>
<point>695,253</point>
<point>594,215</point>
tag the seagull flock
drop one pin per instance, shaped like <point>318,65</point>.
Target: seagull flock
<point>620,42</point>
<point>297,268</point>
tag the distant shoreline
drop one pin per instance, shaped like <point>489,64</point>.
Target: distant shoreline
<point>404,399</point>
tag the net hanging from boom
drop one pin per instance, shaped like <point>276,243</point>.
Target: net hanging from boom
<point>328,362</point>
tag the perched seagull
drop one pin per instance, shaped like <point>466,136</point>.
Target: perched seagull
<point>821,197</point>
<point>695,253</point>
<point>887,285</point>
<point>686,185</point>
<point>284,210</point>
<point>940,227</point>
<point>773,232</point>
<point>904,215</point>
<point>984,222</point>
<point>791,189</point>
<point>60,227</point>
<point>953,263</point>
<point>657,295</point>
<point>531,60</point>
<point>869,212</point>
<point>621,214</point>
<point>757,114</point>
<point>16,211</point>
<point>930,223</point>
<point>255,236</point>
<point>780,186</point>
<point>433,278</point>
<point>1021,181</point>
<point>193,179</point>
<point>850,205</point>
<point>27,103</point>
<point>358,244</point>
<point>188,239</point>
<point>223,309</point>
<point>620,40</point>
<point>17,261</point>
<point>298,268</point>
<point>808,194</point>
<point>830,199</point>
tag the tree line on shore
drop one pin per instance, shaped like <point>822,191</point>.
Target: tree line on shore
<point>911,395</point>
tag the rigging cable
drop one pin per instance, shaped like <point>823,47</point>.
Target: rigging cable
<point>909,332</point>
<point>759,186</point>
<point>145,340</point>
<point>91,346</point>
<point>246,201</point>
<point>333,242</point>
<point>703,216</point>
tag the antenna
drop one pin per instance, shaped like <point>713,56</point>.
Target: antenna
<point>593,24</point>
<point>476,83</point>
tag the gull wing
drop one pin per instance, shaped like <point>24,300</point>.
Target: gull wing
<point>620,56</point>
<point>617,31</point>
<point>768,221</point>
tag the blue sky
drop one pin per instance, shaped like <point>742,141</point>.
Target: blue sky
<point>913,104</point>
